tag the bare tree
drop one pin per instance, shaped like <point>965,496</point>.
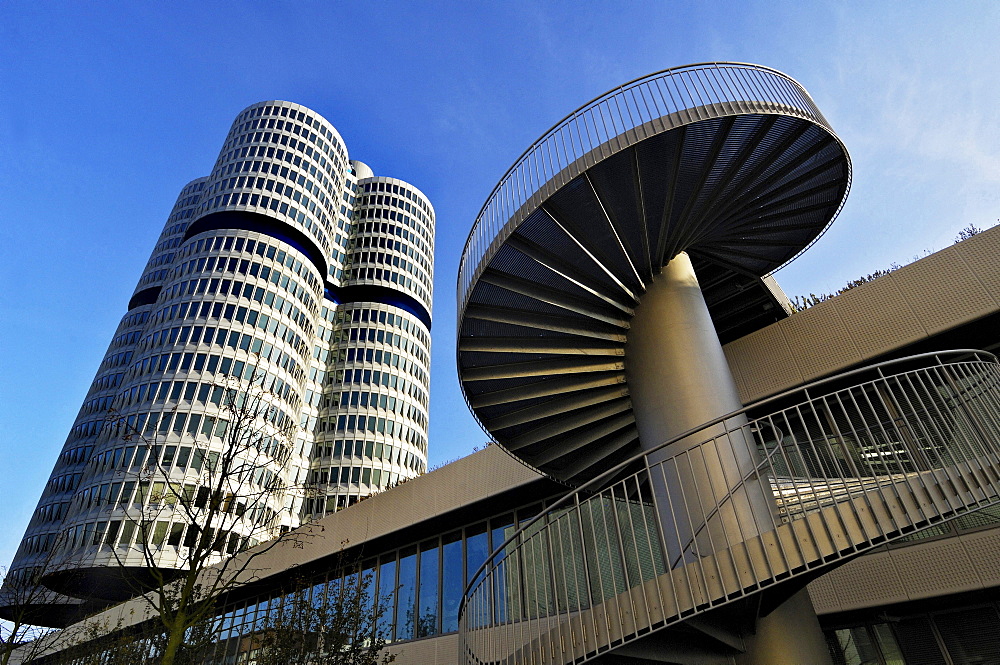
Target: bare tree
<point>336,623</point>
<point>191,535</point>
<point>21,595</point>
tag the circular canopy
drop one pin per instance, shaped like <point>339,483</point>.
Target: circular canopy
<point>730,163</point>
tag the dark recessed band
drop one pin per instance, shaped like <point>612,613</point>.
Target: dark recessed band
<point>144,297</point>
<point>251,221</point>
<point>379,294</point>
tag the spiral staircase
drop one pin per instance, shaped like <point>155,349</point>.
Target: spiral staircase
<point>714,176</point>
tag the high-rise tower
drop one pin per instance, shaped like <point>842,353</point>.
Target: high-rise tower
<point>292,269</point>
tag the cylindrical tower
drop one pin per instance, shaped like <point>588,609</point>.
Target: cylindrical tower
<point>251,335</point>
<point>373,426</point>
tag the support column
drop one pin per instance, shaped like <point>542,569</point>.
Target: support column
<point>790,635</point>
<point>709,498</point>
<point>679,379</point>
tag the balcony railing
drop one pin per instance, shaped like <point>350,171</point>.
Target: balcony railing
<point>843,464</point>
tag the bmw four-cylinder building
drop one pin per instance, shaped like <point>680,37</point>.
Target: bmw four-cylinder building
<point>682,468</point>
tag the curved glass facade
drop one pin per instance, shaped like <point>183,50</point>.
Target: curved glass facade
<point>283,278</point>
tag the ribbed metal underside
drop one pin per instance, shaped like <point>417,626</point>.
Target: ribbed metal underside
<point>542,341</point>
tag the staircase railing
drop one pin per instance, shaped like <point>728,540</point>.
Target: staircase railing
<point>841,466</point>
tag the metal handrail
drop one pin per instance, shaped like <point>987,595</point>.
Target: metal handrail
<point>841,480</point>
<point>597,480</point>
<point>605,120</point>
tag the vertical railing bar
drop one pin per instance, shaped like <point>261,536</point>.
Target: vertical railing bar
<point>891,477</point>
<point>858,474</point>
<point>622,562</point>
<point>681,108</point>
<point>591,123</point>
<point>826,477</point>
<point>754,475</point>
<point>775,92</point>
<point>697,80</point>
<point>733,496</point>
<point>635,546</point>
<point>895,484</point>
<point>951,442</point>
<point>971,407</point>
<point>551,145</point>
<point>578,554</point>
<point>974,390</point>
<point>726,496</point>
<point>736,86</point>
<point>883,480</point>
<point>764,98</point>
<point>649,541</point>
<point>831,419</point>
<point>805,511</point>
<point>543,583</point>
<point>651,113</point>
<point>583,143</point>
<point>989,406</point>
<point>586,570</point>
<point>990,402</point>
<point>778,521</point>
<point>961,405</point>
<point>749,95</point>
<point>618,537</point>
<point>570,549</point>
<point>675,517</point>
<point>666,512</point>
<point>620,99</point>
<point>975,402</point>
<point>524,630</point>
<point>551,595</point>
<point>771,478</point>
<point>933,467</point>
<point>684,79</point>
<point>639,129</point>
<point>670,107</point>
<point>544,586</point>
<point>609,134</point>
<point>711,82</point>
<point>600,572</point>
<point>699,559</point>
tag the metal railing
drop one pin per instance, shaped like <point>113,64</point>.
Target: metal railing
<point>621,117</point>
<point>845,464</point>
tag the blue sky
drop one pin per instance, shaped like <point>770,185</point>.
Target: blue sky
<point>107,109</point>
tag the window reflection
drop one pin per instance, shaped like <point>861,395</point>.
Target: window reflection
<point>477,548</point>
<point>452,581</point>
<point>406,594</point>
<point>387,593</point>
<point>427,622</point>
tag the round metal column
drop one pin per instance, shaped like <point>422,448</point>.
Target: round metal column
<point>790,635</point>
<point>679,379</point>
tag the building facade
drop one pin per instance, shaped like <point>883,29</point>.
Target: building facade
<point>290,278</point>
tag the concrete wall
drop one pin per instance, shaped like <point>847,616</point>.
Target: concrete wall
<point>967,562</point>
<point>946,289</point>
